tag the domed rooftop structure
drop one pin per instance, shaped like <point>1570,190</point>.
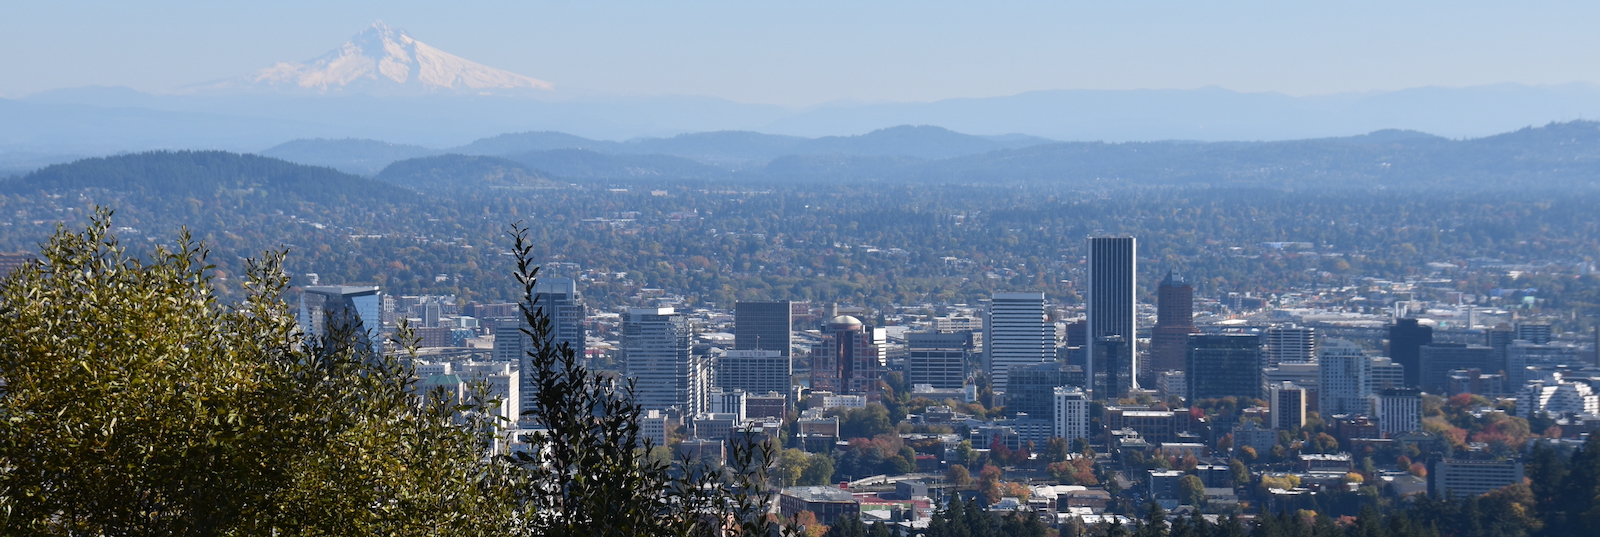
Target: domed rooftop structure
<point>844,321</point>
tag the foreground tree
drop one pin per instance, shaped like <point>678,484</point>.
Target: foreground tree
<point>137,404</point>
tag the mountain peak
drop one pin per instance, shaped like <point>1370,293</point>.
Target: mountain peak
<point>384,60</point>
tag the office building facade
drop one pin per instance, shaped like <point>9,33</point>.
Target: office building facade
<point>1346,384</point>
<point>1406,338</point>
<point>754,371</point>
<point>656,354</point>
<point>1071,413</point>
<point>1437,360</point>
<point>846,360</point>
<point>330,309</point>
<point>1169,338</point>
<point>1016,332</point>
<point>1290,344</point>
<point>1113,268</point>
<point>1288,405</point>
<point>1398,410</point>
<point>1224,365</point>
<point>1032,387</point>
<point>765,325</point>
<point>938,359</point>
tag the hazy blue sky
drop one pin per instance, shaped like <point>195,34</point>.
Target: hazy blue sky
<point>814,51</point>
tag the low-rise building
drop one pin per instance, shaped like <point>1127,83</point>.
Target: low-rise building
<point>1461,478</point>
<point>829,504</point>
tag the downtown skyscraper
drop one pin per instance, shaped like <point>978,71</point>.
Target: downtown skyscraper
<point>1169,339</point>
<point>1113,365</point>
<point>656,354</point>
<point>1016,333</point>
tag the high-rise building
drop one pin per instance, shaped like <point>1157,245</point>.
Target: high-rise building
<point>559,299</point>
<point>1406,338</point>
<point>1288,405</point>
<point>1224,365</point>
<point>1032,386</point>
<point>754,371</point>
<point>938,359</point>
<point>765,325</point>
<point>1386,374</point>
<point>1016,332</point>
<point>1346,379</point>
<point>1399,410</point>
<point>1113,266</point>
<point>1114,369</point>
<point>326,309</point>
<point>1290,344</point>
<point>1169,339</point>
<point>1437,360</point>
<point>1306,376</point>
<point>502,382</point>
<point>1071,413</point>
<point>656,353</point>
<point>1535,333</point>
<point>846,361</point>
<point>732,402</point>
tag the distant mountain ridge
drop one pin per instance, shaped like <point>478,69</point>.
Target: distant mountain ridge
<point>1559,155</point>
<point>725,149</point>
<point>174,175</point>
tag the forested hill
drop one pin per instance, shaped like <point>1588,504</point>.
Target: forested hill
<point>179,174</point>
<point>1558,155</point>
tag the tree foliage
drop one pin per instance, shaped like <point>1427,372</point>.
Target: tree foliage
<point>138,404</point>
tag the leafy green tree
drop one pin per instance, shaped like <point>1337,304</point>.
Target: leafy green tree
<point>1239,473</point>
<point>1191,491</point>
<point>140,404</point>
<point>818,471</point>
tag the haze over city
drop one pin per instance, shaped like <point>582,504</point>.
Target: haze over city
<point>832,269</point>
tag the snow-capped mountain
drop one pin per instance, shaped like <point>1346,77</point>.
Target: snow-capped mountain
<point>383,60</point>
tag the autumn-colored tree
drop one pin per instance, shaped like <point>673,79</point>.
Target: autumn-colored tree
<point>989,483</point>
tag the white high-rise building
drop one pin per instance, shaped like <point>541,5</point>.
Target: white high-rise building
<point>731,402</point>
<point>1346,379</point>
<point>1017,333</point>
<point>1290,344</point>
<point>1398,410</point>
<point>1288,404</point>
<point>1113,267</point>
<point>1072,413</point>
<point>656,353</point>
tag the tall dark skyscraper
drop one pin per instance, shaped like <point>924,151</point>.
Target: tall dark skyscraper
<point>1222,365</point>
<point>1113,264</point>
<point>1174,322</point>
<point>765,325</point>
<point>1406,339</point>
<point>560,300</point>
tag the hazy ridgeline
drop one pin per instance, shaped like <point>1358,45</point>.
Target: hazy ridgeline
<point>872,242</point>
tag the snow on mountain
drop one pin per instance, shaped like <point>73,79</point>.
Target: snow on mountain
<point>381,59</point>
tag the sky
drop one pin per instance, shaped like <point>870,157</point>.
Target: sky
<point>803,53</point>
